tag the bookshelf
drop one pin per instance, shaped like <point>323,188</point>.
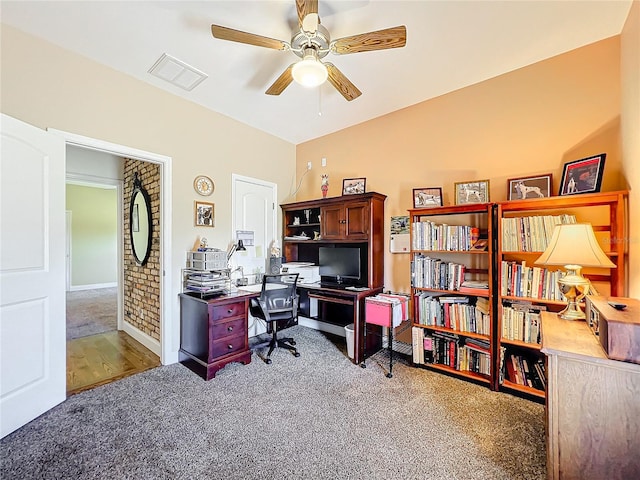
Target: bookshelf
<point>524,290</point>
<point>451,289</point>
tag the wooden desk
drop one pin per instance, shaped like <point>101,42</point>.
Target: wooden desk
<point>355,301</point>
<point>213,331</point>
<point>593,406</point>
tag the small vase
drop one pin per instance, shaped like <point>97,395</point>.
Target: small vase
<point>325,189</point>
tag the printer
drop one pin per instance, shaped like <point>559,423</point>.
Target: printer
<point>307,272</point>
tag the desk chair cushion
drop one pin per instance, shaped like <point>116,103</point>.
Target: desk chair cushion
<point>278,301</point>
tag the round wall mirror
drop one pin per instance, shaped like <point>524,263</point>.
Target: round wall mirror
<point>140,222</point>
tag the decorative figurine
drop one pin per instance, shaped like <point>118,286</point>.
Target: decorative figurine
<point>325,185</point>
<point>275,249</point>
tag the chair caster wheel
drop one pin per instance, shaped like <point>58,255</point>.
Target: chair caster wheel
<point>292,342</point>
<point>296,354</point>
<point>389,375</point>
<point>362,365</point>
<point>268,361</point>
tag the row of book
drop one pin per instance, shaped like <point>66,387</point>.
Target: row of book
<point>521,321</point>
<point>429,272</point>
<point>524,370</point>
<point>517,279</point>
<point>428,235</point>
<point>454,312</point>
<point>463,354</point>
<point>530,234</point>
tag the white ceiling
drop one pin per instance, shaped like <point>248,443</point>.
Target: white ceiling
<point>450,45</point>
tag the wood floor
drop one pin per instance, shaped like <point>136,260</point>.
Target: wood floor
<point>99,359</point>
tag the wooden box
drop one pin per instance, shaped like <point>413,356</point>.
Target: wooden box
<point>617,330</point>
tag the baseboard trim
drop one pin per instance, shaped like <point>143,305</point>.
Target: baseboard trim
<point>93,286</point>
<point>139,336</point>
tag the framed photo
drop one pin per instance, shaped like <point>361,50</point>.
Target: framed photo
<point>537,186</point>
<point>427,197</point>
<point>204,214</point>
<point>472,192</point>
<point>582,176</point>
<point>352,186</point>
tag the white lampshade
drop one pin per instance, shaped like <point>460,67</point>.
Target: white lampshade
<point>574,244</point>
<point>310,72</point>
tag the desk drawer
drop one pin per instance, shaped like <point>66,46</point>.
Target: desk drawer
<point>226,346</point>
<point>227,329</point>
<point>220,312</point>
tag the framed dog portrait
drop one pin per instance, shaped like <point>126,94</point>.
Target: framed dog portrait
<point>582,176</point>
<point>352,186</point>
<point>536,186</point>
<point>427,197</point>
<point>472,192</point>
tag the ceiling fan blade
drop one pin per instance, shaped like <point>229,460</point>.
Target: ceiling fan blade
<point>281,82</point>
<point>304,8</point>
<point>342,83</point>
<point>394,37</point>
<point>226,33</point>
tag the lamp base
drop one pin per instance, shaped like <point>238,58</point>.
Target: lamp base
<point>574,287</point>
<point>572,312</point>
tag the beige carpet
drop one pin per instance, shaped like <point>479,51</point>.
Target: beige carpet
<point>90,312</point>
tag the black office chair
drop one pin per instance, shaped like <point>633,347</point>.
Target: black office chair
<point>278,302</point>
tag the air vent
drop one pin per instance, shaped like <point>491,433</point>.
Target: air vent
<point>177,72</point>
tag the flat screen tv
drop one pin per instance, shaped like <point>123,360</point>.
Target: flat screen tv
<point>340,265</point>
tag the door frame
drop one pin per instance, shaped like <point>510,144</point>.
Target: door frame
<point>169,333</point>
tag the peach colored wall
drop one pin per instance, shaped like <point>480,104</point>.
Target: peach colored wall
<point>529,121</point>
<point>630,114</point>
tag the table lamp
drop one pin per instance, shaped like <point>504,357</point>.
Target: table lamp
<point>574,246</point>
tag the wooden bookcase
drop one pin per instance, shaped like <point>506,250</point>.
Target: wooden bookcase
<point>605,211</point>
<point>444,236</point>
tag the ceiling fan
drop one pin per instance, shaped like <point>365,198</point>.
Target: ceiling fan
<point>312,42</point>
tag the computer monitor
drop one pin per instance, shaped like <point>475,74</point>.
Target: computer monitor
<point>339,264</point>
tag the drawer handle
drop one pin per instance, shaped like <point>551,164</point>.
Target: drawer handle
<point>230,329</point>
<point>230,346</point>
<point>230,310</point>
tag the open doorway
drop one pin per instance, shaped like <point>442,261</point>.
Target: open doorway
<point>99,351</point>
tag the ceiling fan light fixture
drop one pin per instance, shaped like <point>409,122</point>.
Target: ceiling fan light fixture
<point>310,72</point>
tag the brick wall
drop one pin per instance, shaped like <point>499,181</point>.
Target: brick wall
<point>142,283</point>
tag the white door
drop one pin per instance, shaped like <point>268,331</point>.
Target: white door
<point>254,209</point>
<point>32,273</point>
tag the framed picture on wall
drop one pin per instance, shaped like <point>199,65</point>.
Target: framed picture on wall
<point>427,197</point>
<point>352,186</point>
<point>476,191</point>
<point>537,186</point>
<point>204,214</point>
<point>582,176</point>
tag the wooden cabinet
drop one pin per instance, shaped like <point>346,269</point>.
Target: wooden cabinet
<point>524,289</point>
<point>347,221</point>
<point>213,332</point>
<point>357,220</point>
<point>452,286</point>
<point>593,412</point>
